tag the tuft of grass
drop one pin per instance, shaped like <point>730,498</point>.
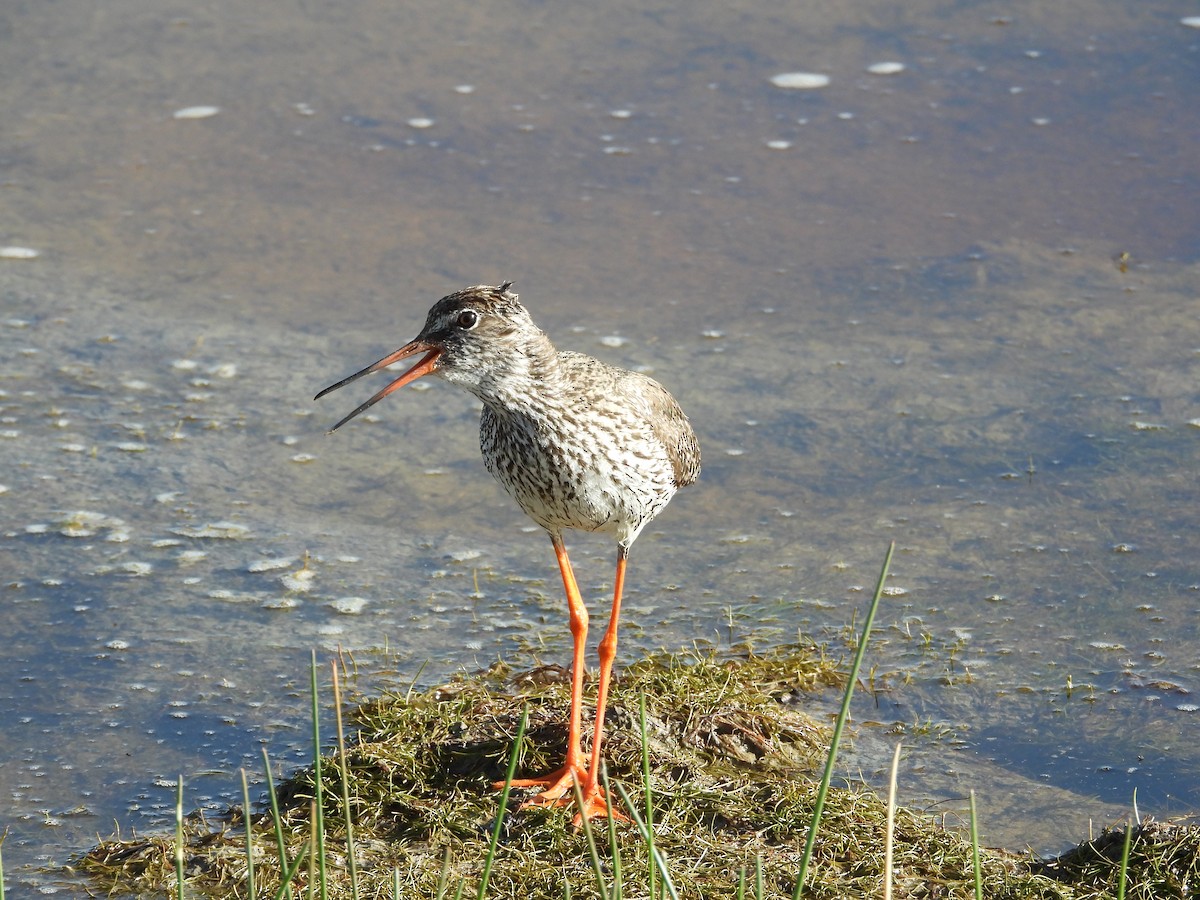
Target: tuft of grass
<point>1158,859</point>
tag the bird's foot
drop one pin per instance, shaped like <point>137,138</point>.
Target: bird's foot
<point>559,790</point>
<point>556,785</point>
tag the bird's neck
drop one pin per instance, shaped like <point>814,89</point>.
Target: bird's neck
<point>525,381</point>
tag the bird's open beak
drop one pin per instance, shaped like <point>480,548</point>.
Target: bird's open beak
<point>427,364</point>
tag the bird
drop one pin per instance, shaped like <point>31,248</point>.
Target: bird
<point>579,444</point>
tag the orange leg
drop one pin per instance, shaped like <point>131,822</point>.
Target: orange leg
<point>558,784</point>
<point>608,653</point>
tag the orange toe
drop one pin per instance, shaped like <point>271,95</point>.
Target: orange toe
<point>597,806</point>
<point>558,789</point>
<point>555,785</point>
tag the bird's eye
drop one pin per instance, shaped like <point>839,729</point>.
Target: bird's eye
<point>467,319</point>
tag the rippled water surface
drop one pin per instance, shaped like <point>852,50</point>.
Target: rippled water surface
<point>944,294</point>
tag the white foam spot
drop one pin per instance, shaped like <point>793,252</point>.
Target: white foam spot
<point>800,80</point>
<point>218,530</point>
<point>270,565</point>
<point>298,581</point>
<point>85,523</point>
<point>196,112</point>
<point>420,122</point>
<point>349,606</point>
<point>19,253</point>
<point>886,68</point>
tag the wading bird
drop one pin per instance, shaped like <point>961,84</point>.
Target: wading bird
<point>577,443</point>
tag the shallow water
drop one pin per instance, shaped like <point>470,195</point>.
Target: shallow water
<point>952,307</point>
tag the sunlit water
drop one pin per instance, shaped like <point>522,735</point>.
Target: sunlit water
<point>950,304</point>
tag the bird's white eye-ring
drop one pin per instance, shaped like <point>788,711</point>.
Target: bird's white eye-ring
<point>467,319</point>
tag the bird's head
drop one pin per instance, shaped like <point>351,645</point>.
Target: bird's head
<point>479,338</point>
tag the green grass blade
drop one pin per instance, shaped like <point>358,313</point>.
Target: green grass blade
<point>889,832</point>
<point>179,838</point>
<point>618,890</point>
<point>277,823</point>
<point>443,878</point>
<point>840,725</point>
<point>1123,872</point>
<point>504,791</point>
<point>250,891</point>
<point>593,854</point>
<point>313,866</point>
<point>663,869</point>
<point>652,873</point>
<point>344,769</point>
<point>975,866</point>
<point>412,685</point>
<point>288,873</point>
<point>318,819</point>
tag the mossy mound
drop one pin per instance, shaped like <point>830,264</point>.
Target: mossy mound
<point>734,766</point>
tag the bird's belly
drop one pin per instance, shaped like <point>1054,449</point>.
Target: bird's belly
<point>580,484</point>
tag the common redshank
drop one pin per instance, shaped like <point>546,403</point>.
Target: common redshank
<point>577,443</point>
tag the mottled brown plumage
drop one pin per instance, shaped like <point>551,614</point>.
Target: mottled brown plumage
<point>577,443</point>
